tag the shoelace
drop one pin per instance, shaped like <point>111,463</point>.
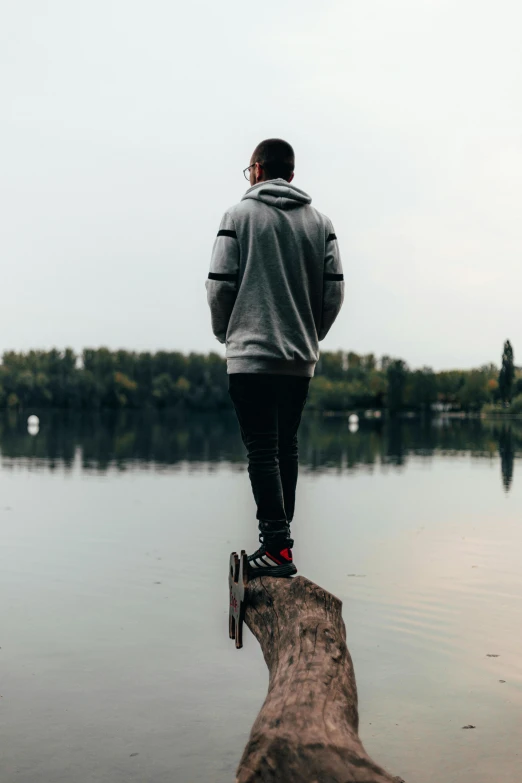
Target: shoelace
<point>288,544</point>
<point>268,534</point>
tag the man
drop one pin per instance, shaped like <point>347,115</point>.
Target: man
<point>274,289</point>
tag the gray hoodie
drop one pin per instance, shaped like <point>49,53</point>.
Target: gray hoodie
<point>276,282</point>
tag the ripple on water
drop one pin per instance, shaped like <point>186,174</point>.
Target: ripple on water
<point>464,621</point>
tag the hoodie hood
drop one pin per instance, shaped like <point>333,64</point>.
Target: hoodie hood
<point>278,193</point>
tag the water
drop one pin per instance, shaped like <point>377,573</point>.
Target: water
<point>115,663</point>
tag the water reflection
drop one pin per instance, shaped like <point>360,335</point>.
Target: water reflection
<point>506,449</point>
<point>101,441</point>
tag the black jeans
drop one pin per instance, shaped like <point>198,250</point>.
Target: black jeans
<point>269,408</point>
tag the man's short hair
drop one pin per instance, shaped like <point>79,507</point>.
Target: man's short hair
<point>277,158</point>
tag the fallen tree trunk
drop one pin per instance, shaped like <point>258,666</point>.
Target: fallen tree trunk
<point>306,731</point>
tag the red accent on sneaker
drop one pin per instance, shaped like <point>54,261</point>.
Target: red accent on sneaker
<point>285,555</point>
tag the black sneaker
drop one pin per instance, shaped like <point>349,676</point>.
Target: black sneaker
<point>273,563</point>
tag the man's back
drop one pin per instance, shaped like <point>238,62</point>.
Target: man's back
<point>275,288</point>
<point>275,284</point>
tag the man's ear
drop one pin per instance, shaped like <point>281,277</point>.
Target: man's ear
<point>259,172</point>
<point>291,177</point>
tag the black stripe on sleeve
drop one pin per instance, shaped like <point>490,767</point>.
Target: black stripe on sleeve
<point>226,233</point>
<point>330,237</point>
<point>333,277</point>
<point>215,276</point>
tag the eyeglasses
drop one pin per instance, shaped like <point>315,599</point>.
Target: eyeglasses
<point>246,172</point>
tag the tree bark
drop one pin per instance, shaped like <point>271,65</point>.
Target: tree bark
<point>306,731</point>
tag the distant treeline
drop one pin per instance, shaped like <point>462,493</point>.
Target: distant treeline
<point>100,379</point>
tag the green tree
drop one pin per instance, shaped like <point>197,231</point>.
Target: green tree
<point>329,395</point>
<point>421,389</point>
<point>354,360</point>
<point>125,389</point>
<point>475,391</point>
<point>449,383</point>
<point>369,362</point>
<point>331,365</point>
<point>507,374</point>
<point>168,393</point>
<point>396,374</point>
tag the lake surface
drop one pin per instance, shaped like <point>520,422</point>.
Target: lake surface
<point>115,662</point>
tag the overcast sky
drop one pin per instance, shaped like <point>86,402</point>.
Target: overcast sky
<point>125,125</point>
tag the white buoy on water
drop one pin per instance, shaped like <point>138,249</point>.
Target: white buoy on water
<point>33,425</point>
<point>353,422</point>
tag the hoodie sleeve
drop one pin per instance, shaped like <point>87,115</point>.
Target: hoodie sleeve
<point>223,278</point>
<point>333,285</point>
